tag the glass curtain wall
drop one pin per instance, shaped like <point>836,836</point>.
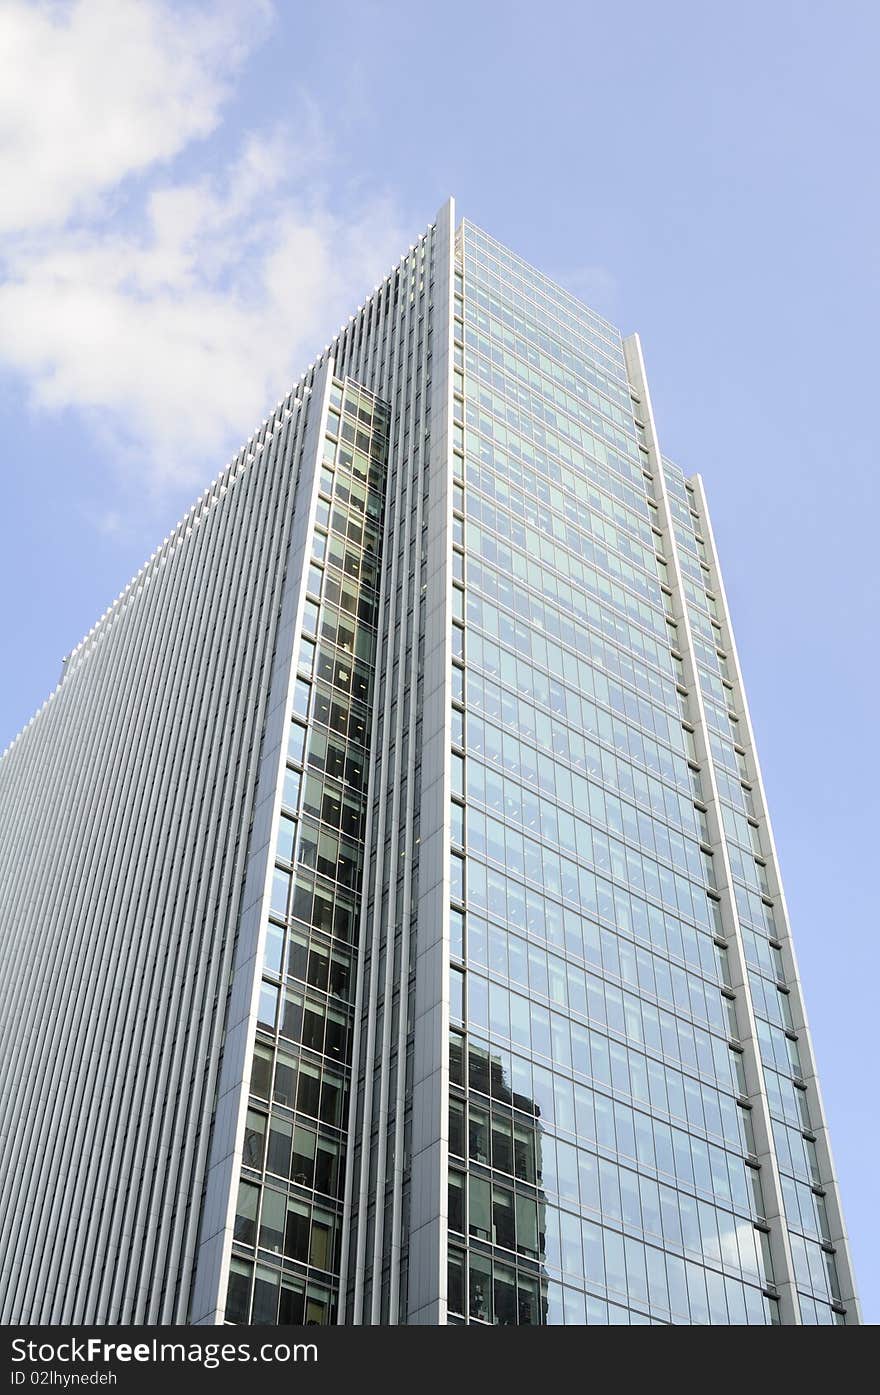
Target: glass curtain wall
<point>599,1155</point>
<point>288,1226</point>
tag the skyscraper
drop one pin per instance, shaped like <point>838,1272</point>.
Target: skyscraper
<point>391,924</point>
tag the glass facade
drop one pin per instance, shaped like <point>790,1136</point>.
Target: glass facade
<point>602,1165</point>
<point>465,986</point>
<point>779,1033</point>
<point>288,1222</point>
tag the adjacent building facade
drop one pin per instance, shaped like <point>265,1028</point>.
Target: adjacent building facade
<point>390,921</point>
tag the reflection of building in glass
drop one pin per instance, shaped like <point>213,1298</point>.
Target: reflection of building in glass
<point>389,882</point>
<point>499,1201</point>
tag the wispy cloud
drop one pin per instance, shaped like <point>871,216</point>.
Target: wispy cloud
<point>169,311</point>
<point>96,90</point>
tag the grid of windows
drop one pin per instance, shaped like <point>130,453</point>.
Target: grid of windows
<point>803,1195</point>
<point>568,847</point>
<point>590,1015</point>
<point>289,1211</point>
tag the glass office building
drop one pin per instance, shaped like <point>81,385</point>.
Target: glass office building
<point>391,924</point>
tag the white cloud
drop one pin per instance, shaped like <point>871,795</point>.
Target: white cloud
<point>97,90</point>
<point>177,338</point>
<point>175,325</point>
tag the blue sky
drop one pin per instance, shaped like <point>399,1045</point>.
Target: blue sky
<point>196,196</point>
